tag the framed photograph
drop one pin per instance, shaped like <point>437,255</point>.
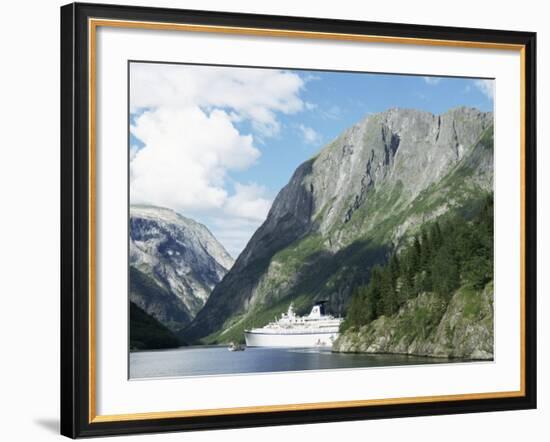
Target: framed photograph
<point>274,220</point>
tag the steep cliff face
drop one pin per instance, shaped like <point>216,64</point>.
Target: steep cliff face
<point>345,208</point>
<point>175,263</point>
<point>400,151</point>
<point>430,326</point>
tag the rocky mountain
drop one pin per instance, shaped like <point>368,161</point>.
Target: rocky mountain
<point>342,211</point>
<point>175,263</point>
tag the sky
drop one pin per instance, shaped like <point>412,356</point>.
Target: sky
<point>216,144</point>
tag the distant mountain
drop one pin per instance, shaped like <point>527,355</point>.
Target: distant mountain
<point>342,212</point>
<point>175,263</point>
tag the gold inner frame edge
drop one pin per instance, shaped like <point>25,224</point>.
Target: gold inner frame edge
<point>93,24</point>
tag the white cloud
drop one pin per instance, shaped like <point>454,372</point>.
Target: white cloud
<point>241,215</point>
<point>249,202</point>
<point>234,233</point>
<point>334,112</point>
<point>310,106</point>
<point>186,156</point>
<point>432,81</point>
<point>309,135</point>
<point>253,94</point>
<point>487,87</point>
<point>133,151</point>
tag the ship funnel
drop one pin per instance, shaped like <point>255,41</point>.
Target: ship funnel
<point>321,305</point>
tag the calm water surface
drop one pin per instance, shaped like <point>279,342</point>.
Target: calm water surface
<point>199,361</point>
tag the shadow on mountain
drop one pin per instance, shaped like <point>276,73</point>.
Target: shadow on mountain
<point>332,276</point>
<point>323,276</point>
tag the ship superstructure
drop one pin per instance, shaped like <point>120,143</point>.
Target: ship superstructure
<point>314,330</point>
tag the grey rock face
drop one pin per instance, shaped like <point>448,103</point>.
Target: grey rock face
<point>289,218</point>
<point>400,145</point>
<point>178,254</point>
<point>379,180</point>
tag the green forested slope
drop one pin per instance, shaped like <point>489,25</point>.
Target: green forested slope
<point>412,303</point>
<point>148,333</point>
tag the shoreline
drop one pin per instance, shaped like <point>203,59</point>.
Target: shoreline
<point>415,355</point>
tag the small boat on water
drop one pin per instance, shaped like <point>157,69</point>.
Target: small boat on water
<point>236,347</point>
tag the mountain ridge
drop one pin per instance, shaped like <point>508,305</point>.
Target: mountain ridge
<point>346,207</point>
<point>174,264</point>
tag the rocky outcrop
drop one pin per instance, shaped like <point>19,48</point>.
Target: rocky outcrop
<point>345,208</point>
<point>430,326</point>
<point>175,263</point>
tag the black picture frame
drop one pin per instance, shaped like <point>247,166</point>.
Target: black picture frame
<point>76,250</point>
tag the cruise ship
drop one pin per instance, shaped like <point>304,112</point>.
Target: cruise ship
<point>314,330</point>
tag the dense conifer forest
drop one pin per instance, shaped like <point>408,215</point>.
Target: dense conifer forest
<point>443,256</point>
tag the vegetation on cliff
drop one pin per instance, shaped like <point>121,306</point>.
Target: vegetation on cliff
<point>448,266</point>
<point>443,257</point>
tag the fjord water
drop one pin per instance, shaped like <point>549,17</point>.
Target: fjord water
<point>216,360</point>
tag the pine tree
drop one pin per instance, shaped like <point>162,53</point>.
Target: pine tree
<point>388,297</point>
<point>435,235</point>
<point>445,272</point>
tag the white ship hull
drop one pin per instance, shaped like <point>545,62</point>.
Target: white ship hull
<point>297,340</point>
